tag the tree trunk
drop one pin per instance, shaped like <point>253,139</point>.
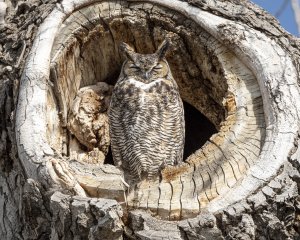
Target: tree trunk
<point>233,64</point>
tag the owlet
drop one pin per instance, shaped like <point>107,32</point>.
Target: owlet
<point>146,115</point>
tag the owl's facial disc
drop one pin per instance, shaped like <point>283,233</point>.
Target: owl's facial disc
<point>146,67</point>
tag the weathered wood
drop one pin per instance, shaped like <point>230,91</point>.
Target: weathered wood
<point>239,71</point>
<point>3,7</point>
<point>88,122</point>
<point>240,106</point>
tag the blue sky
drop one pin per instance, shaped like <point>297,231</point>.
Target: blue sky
<point>286,18</point>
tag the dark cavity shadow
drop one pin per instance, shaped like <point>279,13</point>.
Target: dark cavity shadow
<point>198,129</point>
<point>109,157</point>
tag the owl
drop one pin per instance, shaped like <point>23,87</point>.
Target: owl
<point>146,115</point>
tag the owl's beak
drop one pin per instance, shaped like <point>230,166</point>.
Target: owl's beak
<point>146,75</point>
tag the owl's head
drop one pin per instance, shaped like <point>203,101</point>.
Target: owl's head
<point>146,67</point>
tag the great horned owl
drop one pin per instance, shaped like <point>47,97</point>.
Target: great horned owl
<point>146,115</point>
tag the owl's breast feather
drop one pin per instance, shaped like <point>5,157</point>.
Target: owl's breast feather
<point>144,86</point>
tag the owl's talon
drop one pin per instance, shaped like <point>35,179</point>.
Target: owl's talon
<point>124,182</point>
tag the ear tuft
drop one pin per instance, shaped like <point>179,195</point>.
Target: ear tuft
<point>126,50</point>
<point>163,48</point>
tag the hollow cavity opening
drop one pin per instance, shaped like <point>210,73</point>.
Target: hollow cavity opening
<point>93,56</point>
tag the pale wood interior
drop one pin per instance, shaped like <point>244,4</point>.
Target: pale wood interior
<point>210,78</point>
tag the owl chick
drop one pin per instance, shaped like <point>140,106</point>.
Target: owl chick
<point>146,115</point>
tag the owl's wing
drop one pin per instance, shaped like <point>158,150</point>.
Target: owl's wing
<point>170,127</point>
<point>115,127</point>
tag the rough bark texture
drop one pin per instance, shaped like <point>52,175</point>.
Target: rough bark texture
<point>54,204</point>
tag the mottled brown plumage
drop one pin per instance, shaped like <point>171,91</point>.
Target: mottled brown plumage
<point>146,115</point>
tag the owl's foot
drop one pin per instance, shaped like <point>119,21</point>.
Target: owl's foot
<point>124,182</point>
<point>128,187</point>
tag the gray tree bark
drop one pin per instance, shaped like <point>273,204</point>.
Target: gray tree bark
<point>242,184</point>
